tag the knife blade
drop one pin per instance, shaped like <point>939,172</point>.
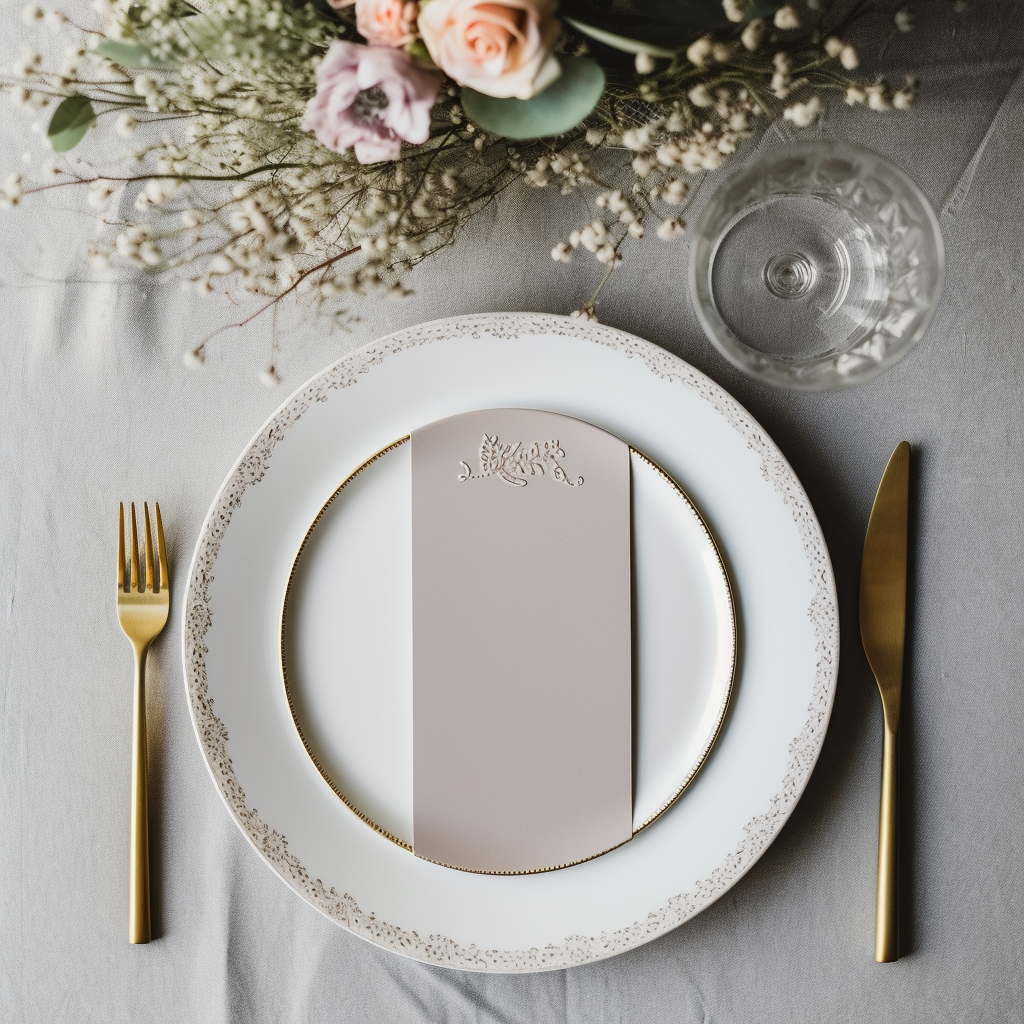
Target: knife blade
<point>883,607</point>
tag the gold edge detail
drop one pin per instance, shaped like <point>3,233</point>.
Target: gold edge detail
<point>687,779</point>
<point>284,667</point>
<point>758,832</point>
<point>727,696</point>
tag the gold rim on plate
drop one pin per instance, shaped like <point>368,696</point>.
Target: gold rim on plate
<point>724,698</point>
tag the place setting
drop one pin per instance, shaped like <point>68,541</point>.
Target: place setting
<point>510,641</point>
<point>513,671</point>
<point>510,691</point>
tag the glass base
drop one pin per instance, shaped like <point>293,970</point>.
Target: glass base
<point>798,277</point>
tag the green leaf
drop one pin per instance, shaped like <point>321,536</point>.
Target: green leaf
<point>559,108</point>
<point>418,49</point>
<point>695,14</point>
<point>762,8</point>
<point>207,35</point>
<point>129,55</point>
<point>617,42</point>
<point>219,38</point>
<point>70,121</point>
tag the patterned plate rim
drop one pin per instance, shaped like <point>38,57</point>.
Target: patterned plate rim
<point>758,833</point>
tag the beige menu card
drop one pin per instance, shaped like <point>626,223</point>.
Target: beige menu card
<point>522,695</point>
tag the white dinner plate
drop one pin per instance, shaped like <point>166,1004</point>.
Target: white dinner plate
<point>346,641</point>
<point>354,635</point>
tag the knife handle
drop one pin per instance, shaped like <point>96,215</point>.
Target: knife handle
<point>887,904</point>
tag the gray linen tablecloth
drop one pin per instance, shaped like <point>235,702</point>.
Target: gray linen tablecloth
<point>97,407</point>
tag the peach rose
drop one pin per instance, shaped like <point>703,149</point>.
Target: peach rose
<point>387,22</point>
<point>500,48</point>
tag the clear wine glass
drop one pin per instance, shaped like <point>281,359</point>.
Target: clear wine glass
<point>816,266</point>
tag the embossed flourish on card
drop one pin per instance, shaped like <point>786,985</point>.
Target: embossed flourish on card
<point>515,462</point>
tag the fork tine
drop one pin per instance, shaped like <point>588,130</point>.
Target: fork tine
<point>135,552</point>
<point>161,546</point>
<point>149,548</point>
<point>120,545</point>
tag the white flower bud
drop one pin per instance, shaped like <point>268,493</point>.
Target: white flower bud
<point>675,192</point>
<point>904,19</point>
<point>156,191</point>
<point>698,51</point>
<point>848,58</point>
<point>221,264</point>
<point>644,63</point>
<point>643,165</point>
<point>637,139</point>
<point>753,35</point>
<point>125,126</point>
<point>699,96</point>
<point>735,10</point>
<point>13,187</point>
<point>269,377</point>
<point>786,18</point>
<point>834,46</point>
<point>150,254</point>
<point>803,115</point>
<point>671,228</point>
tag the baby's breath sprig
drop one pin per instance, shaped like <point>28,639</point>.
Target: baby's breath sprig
<point>229,189</point>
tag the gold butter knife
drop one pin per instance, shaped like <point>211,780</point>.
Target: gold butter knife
<point>883,612</point>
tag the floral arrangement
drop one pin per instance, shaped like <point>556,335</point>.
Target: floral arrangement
<point>326,147</point>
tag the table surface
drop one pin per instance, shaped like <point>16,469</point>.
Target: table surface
<point>96,406</point>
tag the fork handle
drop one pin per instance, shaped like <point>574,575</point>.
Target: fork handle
<point>887,905</point>
<point>138,868</point>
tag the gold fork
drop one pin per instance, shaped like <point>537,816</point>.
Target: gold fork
<point>142,608</point>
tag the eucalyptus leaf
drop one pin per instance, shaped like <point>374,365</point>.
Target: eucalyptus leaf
<point>218,38</point>
<point>70,122</point>
<point>761,8</point>
<point>695,14</point>
<point>663,35</point>
<point>206,34</point>
<point>617,42</point>
<point>559,108</point>
<point>136,56</point>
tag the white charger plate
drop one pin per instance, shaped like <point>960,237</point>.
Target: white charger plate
<point>734,807</point>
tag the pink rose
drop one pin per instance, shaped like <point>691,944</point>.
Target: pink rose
<point>502,48</point>
<point>370,99</point>
<point>387,22</point>
<point>384,22</point>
